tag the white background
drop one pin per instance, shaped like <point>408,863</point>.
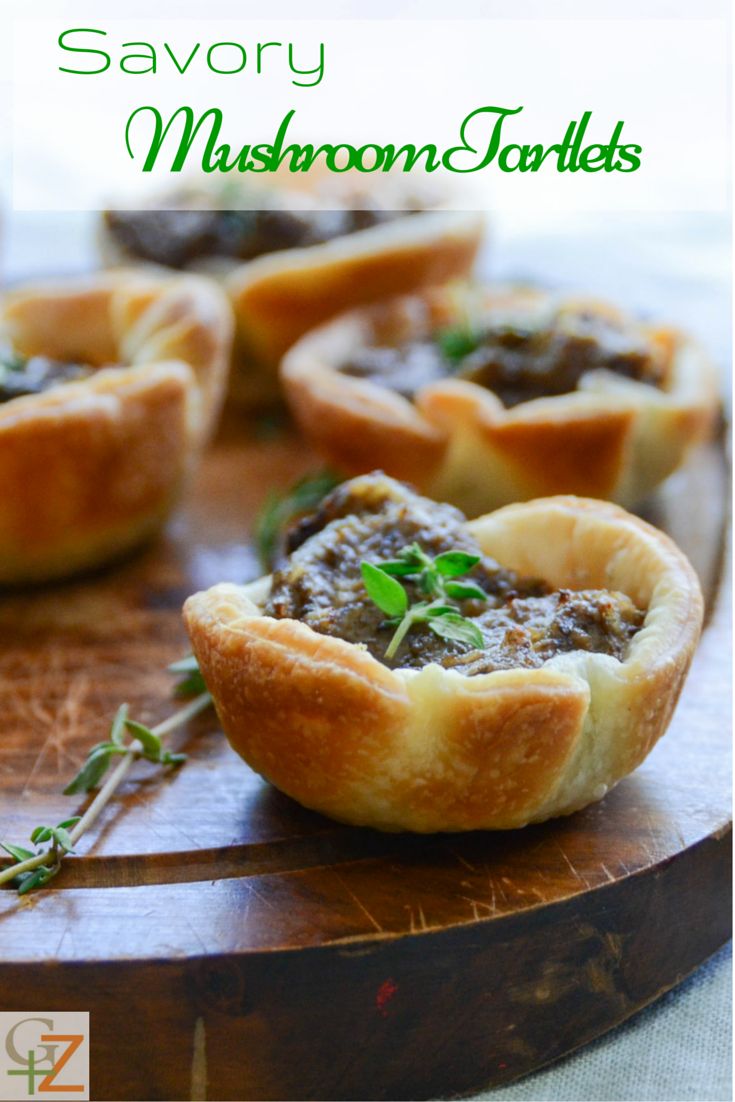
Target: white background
<point>403,79</point>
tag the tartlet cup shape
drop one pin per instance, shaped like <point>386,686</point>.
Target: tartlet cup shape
<point>613,437</point>
<point>432,749</point>
<point>91,468</point>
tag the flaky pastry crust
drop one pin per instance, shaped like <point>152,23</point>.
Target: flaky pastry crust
<point>612,438</point>
<point>90,468</point>
<point>278,297</point>
<point>433,749</point>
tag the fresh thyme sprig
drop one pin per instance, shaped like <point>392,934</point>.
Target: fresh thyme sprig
<point>130,741</point>
<point>464,335</point>
<point>458,342</point>
<point>279,509</point>
<point>39,874</point>
<point>435,579</point>
<point>192,683</point>
<point>100,756</point>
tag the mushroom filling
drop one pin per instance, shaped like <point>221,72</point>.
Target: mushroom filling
<point>20,375</point>
<point>522,621</point>
<point>177,238</point>
<point>518,359</point>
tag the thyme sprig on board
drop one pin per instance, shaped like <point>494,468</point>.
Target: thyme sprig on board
<point>41,867</point>
<point>129,742</point>
<point>436,581</point>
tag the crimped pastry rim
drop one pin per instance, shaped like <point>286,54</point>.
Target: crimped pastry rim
<point>210,313</point>
<point>92,467</point>
<point>310,358</point>
<point>75,395</point>
<point>612,438</point>
<point>403,232</point>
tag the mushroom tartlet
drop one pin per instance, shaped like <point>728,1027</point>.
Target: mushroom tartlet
<point>407,670</point>
<point>288,268</point>
<point>109,387</point>
<point>483,398</point>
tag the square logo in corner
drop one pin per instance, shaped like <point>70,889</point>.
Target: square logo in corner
<point>44,1054</point>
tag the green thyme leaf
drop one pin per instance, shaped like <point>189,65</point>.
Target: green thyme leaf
<point>29,880</point>
<point>148,739</point>
<point>62,837</point>
<point>280,509</point>
<point>398,567</point>
<point>383,590</point>
<point>458,342</point>
<point>452,564</point>
<point>18,852</point>
<point>192,683</point>
<point>92,772</point>
<point>436,608</point>
<point>458,629</point>
<point>464,591</point>
<point>106,746</point>
<point>117,730</point>
<point>58,834</point>
<point>432,578</point>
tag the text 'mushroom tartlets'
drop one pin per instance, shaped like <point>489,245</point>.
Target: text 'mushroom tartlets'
<point>483,397</point>
<point>547,647</point>
<point>310,250</point>
<point>109,387</point>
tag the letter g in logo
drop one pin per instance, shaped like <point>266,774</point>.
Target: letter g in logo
<point>49,1051</point>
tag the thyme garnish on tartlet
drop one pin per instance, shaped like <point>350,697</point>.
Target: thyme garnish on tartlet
<point>129,741</point>
<point>458,342</point>
<point>436,580</point>
<point>464,336</point>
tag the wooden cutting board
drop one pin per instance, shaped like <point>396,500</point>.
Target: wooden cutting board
<point>231,945</point>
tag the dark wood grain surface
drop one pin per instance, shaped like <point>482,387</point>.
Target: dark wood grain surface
<point>248,948</point>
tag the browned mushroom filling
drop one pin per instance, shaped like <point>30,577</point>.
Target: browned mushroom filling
<point>20,376</point>
<point>515,361</point>
<point>523,621</point>
<point>176,238</point>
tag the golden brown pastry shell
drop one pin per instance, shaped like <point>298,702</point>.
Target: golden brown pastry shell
<point>434,750</point>
<point>612,438</point>
<point>90,468</point>
<point>278,297</point>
